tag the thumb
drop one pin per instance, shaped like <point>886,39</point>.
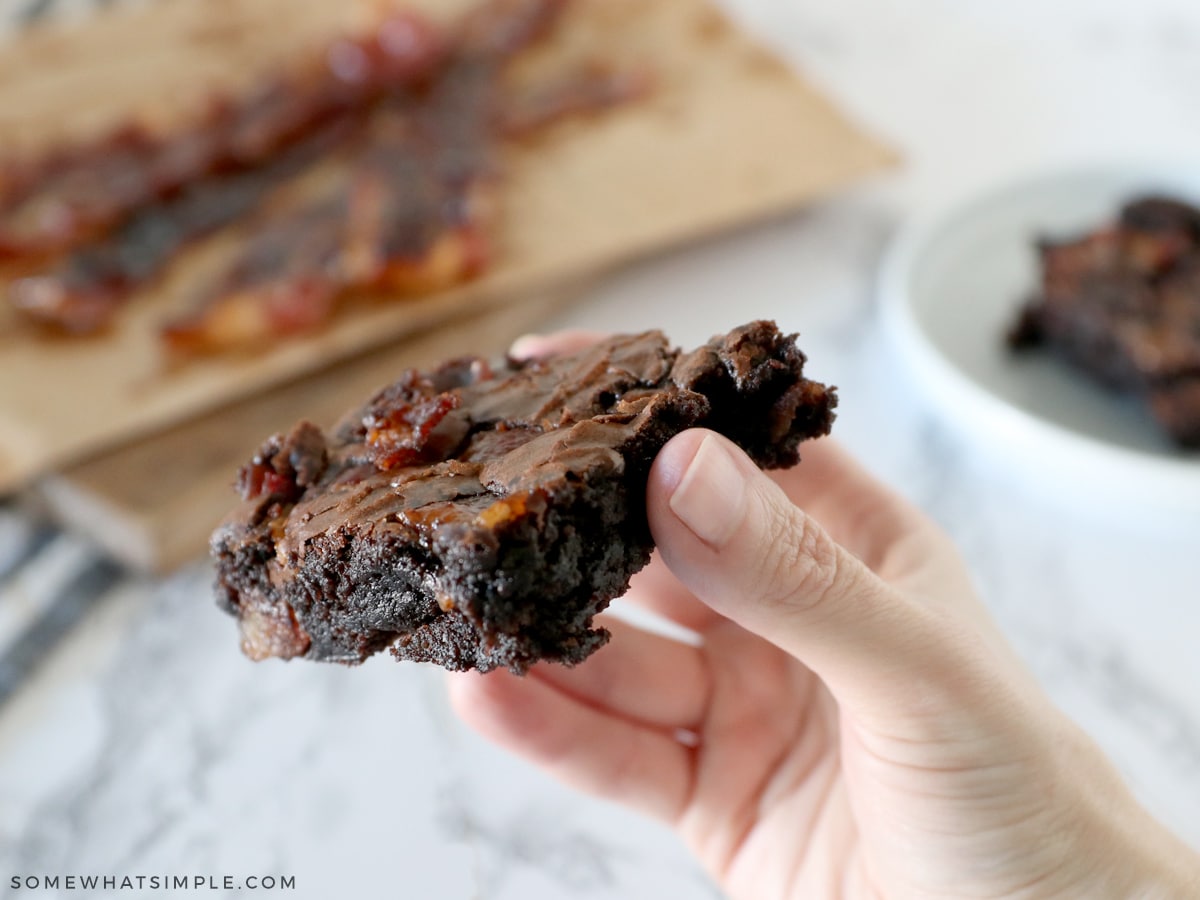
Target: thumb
<point>733,537</point>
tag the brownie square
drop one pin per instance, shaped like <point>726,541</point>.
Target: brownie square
<point>479,516</point>
<point>1122,305</point>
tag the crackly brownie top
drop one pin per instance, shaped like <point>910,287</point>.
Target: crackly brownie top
<point>470,443</point>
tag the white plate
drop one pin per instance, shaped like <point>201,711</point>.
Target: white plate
<point>952,286</point>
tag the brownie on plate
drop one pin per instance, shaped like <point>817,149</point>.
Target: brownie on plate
<point>479,516</point>
<point>1122,304</point>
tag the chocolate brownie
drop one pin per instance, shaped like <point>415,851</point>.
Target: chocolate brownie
<point>478,515</point>
<point>1122,303</point>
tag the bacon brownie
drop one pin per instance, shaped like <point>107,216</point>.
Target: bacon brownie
<point>479,516</point>
<point>1122,304</point>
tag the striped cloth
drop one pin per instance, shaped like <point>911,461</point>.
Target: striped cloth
<point>48,582</point>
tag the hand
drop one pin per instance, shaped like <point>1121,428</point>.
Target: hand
<point>851,723</point>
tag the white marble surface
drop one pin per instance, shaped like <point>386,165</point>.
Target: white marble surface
<point>147,745</point>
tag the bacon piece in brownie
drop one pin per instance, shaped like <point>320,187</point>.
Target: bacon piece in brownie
<point>480,516</point>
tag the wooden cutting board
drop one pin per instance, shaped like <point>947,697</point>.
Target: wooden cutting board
<point>729,136</point>
<point>153,505</point>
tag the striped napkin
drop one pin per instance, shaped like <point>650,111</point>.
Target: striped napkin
<point>48,581</point>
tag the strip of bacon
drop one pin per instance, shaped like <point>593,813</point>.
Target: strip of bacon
<point>411,217</point>
<point>81,292</point>
<point>415,216</point>
<point>76,193</point>
<point>409,212</point>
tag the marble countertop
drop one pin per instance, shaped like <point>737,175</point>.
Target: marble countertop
<point>146,745</point>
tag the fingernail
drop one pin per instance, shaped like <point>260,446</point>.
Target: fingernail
<point>709,497</point>
<point>526,345</point>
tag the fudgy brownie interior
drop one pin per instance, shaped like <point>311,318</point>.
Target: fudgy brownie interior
<point>479,516</point>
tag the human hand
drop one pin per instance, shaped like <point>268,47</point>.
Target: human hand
<point>851,723</point>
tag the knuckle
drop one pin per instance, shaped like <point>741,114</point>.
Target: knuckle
<point>799,564</point>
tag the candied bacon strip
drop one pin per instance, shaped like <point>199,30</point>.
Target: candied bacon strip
<point>413,214</point>
<point>410,216</point>
<point>76,193</point>
<point>82,292</point>
<point>405,219</point>
<point>414,220</point>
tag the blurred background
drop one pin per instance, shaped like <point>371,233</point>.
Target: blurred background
<point>136,740</point>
